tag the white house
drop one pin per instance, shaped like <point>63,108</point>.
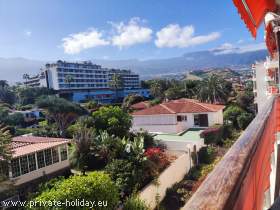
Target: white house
<point>37,157</point>
<point>177,115</point>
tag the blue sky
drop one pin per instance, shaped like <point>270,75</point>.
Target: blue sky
<point>120,29</point>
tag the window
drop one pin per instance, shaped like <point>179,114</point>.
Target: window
<point>63,152</point>
<point>40,159</point>
<point>181,118</point>
<point>24,164</point>
<point>32,162</point>
<point>201,120</point>
<point>55,155</point>
<point>15,167</point>
<point>48,156</point>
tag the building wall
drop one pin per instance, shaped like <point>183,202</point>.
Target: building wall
<point>260,85</point>
<point>174,173</point>
<point>168,123</point>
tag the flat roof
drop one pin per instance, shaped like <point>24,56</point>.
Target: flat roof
<point>192,134</point>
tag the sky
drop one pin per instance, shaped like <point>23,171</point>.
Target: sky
<point>120,29</point>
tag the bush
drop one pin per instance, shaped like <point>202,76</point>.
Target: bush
<point>96,186</point>
<point>244,120</point>
<point>157,156</point>
<point>112,119</point>
<point>194,173</point>
<point>206,155</point>
<point>177,196</point>
<point>213,135</point>
<point>231,114</point>
<point>134,203</point>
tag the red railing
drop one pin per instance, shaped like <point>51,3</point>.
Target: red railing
<point>242,177</point>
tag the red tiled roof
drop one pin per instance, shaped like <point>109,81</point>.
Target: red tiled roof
<point>23,145</point>
<point>141,105</point>
<point>180,106</point>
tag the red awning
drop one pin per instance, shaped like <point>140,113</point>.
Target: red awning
<point>253,12</point>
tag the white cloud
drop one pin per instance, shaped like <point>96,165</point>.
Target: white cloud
<point>240,41</point>
<point>27,33</point>
<point>228,48</point>
<point>175,36</point>
<point>75,43</point>
<point>131,33</point>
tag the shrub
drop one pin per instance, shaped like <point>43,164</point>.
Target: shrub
<point>134,203</point>
<point>194,173</point>
<point>176,196</point>
<point>157,156</point>
<point>213,135</point>
<point>130,176</point>
<point>96,186</point>
<point>244,120</point>
<point>206,155</point>
<point>231,114</point>
<point>123,173</point>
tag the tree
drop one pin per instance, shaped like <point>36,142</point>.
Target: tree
<point>244,119</point>
<point>28,95</point>
<point>5,151</point>
<point>156,89</point>
<point>190,88</point>
<point>63,112</point>
<point>173,93</point>
<point>94,187</point>
<point>212,90</point>
<point>4,84</point>
<point>82,153</point>
<point>246,101</point>
<point>232,113</point>
<point>7,96</point>
<point>16,119</point>
<point>116,83</point>
<point>130,100</point>
<point>69,79</point>
<point>112,119</point>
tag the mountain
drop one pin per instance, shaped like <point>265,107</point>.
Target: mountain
<point>12,69</point>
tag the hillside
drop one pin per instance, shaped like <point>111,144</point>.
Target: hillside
<point>12,69</point>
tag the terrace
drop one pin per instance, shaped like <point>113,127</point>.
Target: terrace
<point>248,176</point>
<point>183,141</point>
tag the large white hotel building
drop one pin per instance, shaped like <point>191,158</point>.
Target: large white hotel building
<point>85,80</point>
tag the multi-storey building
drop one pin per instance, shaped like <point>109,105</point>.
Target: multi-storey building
<point>85,80</point>
<point>129,79</point>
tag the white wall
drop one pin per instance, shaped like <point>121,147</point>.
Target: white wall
<point>165,119</point>
<point>182,145</point>
<point>156,128</point>
<point>168,123</point>
<point>174,173</point>
<point>261,85</point>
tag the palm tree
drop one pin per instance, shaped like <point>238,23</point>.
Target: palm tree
<point>156,89</point>
<point>69,79</point>
<point>83,139</point>
<point>5,151</point>
<point>26,77</point>
<point>212,90</point>
<point>116,83</point>
<point>3,83</point>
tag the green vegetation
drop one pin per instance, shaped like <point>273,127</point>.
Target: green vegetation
<point>112,119</point>
<point>95,186</point>
<point>63,112</point>
<point>134,203</point>
<point>5,151</point>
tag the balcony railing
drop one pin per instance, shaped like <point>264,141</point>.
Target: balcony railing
<point>242,179</point>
